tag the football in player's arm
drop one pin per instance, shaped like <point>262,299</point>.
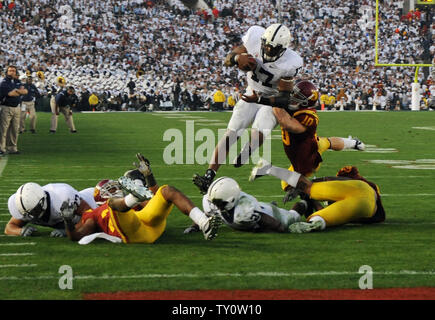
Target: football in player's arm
<point>270,66</point>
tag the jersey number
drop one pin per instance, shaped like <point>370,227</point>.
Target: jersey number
<point>264,73</point>
<point>285,137</point>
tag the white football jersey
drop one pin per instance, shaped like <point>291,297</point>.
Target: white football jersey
<point>58,193</point>
<point>88,195</point>
<point>244,216</point>
<point>265,78</point>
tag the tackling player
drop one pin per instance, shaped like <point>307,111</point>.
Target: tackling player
<point>270,65</point>
<point>33,204</point>
<point>298,119</point>
<point>354,198</point>
<point>140,216</point>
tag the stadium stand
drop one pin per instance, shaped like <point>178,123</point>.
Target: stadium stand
<point>164,46</point>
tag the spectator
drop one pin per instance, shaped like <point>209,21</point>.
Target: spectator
<point>218,100</point>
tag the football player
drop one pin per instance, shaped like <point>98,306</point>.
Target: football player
<point>354,198</point>
<point>270,65</point>
<point>140,216</point>
<point>243,212</point>
<point>298,119</point>
<point>40,205</point>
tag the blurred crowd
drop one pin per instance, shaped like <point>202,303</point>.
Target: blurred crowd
<point>155,54</point>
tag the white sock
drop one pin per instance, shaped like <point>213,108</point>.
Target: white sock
<point>198,217</point>
<point>290,177</point>
<point>131,201</point>
<point>348,143</point>
<point>319,218</point>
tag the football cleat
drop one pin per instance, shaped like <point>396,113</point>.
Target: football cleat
<point>140,192</point>
<point>305,227</point>
<point>359,145</point>
<point>261,169</point>
<point>204,182</point>
<point>210,228</point>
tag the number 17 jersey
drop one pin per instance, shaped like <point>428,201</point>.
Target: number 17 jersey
<point>265,78</point>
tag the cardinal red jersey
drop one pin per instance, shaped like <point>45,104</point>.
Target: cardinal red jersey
<point>102,217</point>
<point>302,148</point>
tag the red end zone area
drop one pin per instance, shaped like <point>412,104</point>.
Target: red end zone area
<point>422,293</point>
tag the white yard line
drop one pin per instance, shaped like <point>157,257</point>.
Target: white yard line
<point>221,275</point>
<point>17,265</point>
<point>17,244</point>
<point>16,254</point>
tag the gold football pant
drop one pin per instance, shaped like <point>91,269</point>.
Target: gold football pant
<point>354,199</point>
<point>146,225</point>
<point>324,145</point>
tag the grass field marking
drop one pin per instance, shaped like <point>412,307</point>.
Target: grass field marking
<point>17,244</point>
<point>223,275</point>
<point>13,254</point>
<point>425,128</point>
<point>18,265</point>
<point>3,163</point>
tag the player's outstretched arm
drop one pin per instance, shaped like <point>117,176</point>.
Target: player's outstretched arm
<point>17,227</point>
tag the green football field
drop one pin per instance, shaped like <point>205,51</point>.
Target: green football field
<point>400,158</point>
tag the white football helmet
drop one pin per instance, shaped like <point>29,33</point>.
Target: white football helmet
<point>31,200</point>
<point>274,41</point>
<point>224,193</point>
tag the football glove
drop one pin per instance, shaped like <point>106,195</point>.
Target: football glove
<point>67,210</point>
<point>28,231</point>
<point>58,233</point>
<point>144,165</point>
<point>204,182</point>
<point>291,194</point>
<point>191,229</point>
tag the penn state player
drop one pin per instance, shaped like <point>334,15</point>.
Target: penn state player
<point>271,66</point>
<point>243,212</point>
<point>40,205</point>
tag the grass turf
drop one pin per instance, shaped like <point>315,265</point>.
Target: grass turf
<point>400,251</point>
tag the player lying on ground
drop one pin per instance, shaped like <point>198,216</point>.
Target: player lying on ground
<point>242,211</point>
<point>33,204</point>
<point>140,216</point>
<point>354,198</point>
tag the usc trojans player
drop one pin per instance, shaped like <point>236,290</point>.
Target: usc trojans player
<point>140,216</point>
<point>297,116</point>
<point>354,198</point>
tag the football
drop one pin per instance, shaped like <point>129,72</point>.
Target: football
<point>246,62</point>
